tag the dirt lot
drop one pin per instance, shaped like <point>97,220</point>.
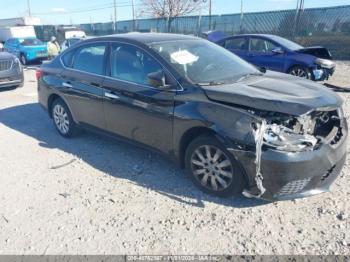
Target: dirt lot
<point>94,195</point>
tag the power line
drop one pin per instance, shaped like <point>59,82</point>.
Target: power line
<point>84,10</point>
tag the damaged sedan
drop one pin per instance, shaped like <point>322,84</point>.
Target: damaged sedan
<point>234,129</point>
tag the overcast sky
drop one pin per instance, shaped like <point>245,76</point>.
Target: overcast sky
<point>83,11</point>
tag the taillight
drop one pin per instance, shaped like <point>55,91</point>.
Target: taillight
<point>39,73</point>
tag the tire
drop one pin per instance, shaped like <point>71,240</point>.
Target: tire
<point>23,59</point>
<point>300,71</point>
<point>20,85</point>
<point>62,119</point>
<point>222,177</point>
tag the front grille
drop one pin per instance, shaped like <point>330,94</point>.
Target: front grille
<point>293,187</point>
<point>5,65</point>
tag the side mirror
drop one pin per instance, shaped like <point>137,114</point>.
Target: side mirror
<point>278,51</point>
<point>157,79</point>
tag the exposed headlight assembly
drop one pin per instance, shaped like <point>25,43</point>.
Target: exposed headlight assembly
<point>18,64</point>
<point>285,139</point>
<point>325,63</point>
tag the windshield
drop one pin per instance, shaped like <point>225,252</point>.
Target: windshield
<point>203,62</point>
<point>286,43</point>
<point>30,42</point>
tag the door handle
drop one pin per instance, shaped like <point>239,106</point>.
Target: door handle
<point>67,84</point>
<point>111,95</point>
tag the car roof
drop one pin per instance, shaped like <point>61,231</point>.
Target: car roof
<point>263,35</point>
<point>146,38</point>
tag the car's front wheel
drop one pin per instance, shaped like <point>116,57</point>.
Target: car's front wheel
<point>24,60</point>
<point>62,118</point>
<point>212,168</point>
<point>300,71</point>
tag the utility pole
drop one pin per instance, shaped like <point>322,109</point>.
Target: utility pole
<point>241,25</point>
<point>115,27</point>
<point>209,15</point>
<point>29,12</point>
<point>133,15</point>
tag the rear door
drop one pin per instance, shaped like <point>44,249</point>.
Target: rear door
<point>82,77</point>
<point>133,107</point>
<point>261,54</point>
<point>237,45</point>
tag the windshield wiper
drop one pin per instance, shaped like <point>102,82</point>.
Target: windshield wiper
<point>211,83</point>
<point>248,75</point>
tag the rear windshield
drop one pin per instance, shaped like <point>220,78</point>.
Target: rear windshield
<point>30,42</point>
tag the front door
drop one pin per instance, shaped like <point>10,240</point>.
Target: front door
<point>261,54</point>
<point>133,107</point>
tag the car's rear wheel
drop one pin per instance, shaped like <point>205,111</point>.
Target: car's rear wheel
<point>300,71</point>
<point>23,59</point>
<point>62,118</point>
<point>212,168</point>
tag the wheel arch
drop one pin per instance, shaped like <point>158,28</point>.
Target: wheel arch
<point>52,98</point>
<point>188,136</point>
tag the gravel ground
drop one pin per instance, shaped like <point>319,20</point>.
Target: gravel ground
<point>94,195</point>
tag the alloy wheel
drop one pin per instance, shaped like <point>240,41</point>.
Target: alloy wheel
<point>212,167</point>
<point>61,119</point>
<point>299,72</point>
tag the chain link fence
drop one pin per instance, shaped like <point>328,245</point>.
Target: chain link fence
<point>328,27</point>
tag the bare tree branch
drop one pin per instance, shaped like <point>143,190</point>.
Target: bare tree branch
<point>170,9</point>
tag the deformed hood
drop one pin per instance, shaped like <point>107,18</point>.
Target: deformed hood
<point>275,92</point>
<point>317,51</point>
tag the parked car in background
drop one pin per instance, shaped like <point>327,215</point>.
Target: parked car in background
<point>70,42</point>
<point>233,128</point>
<point>282,55</point>
<point>67,32</point>
<point>11,71</point>
<point>27,49</point>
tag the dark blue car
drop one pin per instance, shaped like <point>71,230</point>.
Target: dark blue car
<point>279,54</point>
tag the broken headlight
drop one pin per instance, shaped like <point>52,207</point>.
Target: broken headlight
<point>285,139</point>
<point>325,63</point>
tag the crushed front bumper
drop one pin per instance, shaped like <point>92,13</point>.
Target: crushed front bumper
<point>287,175</point>
<point>321,74</point>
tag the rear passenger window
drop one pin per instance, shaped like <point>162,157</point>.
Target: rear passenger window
<point>90,59</point>
<point>67,58</point>
<point>236,44</point>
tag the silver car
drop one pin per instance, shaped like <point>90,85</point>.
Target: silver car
<point>11,71</point>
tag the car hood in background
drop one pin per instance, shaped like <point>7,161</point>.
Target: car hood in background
<point>317,51</point>
<point>275,92</point>
<point>6,55</point>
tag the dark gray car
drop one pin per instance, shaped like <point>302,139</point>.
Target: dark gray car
<point>11,71</point>
<point>233,128</point>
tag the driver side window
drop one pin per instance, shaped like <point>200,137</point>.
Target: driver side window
<point>131,64</point>
<point>261,45</point>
